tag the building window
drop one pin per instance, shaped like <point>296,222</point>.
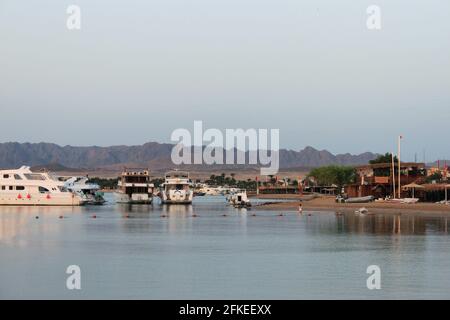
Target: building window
<point>34,176</point>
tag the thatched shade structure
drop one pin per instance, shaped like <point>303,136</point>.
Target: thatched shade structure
<point>413,186</point>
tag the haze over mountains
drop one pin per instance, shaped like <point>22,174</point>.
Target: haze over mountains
<point>154,155</point>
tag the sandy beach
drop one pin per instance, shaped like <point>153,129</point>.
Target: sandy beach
<point>327,203</point>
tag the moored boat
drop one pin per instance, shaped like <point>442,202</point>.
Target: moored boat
<point>90,192</point>
<point>23,187</point>
<point>177,188</point>
<point>239,199</point>
<point>360,199</point>
<point>134,187</point>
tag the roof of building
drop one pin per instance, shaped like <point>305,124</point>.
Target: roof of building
<point>435,186</point>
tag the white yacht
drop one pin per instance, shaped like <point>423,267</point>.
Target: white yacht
<point>177,188</point>
<point>134,187</point>
<point>26,188</point>
<point>90,192</point>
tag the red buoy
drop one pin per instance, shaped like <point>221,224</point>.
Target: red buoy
<point>48,196</point>
<point>28,196</point>
<point>19,196</point>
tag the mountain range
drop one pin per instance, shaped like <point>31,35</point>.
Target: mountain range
<point>156,156</point>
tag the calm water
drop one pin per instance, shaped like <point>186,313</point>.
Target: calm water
<point>239,256</point>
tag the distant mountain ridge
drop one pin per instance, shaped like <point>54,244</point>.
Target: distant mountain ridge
<point>152,154</point>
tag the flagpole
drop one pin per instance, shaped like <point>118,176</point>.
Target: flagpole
<point>399,168</point>
<point>393,176</point>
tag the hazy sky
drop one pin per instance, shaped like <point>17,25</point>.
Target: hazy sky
<point>137,70</point>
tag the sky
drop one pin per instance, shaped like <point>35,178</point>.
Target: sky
<point>138,70</point>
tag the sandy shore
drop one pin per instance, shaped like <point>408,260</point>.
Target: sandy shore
<point>326,203</point>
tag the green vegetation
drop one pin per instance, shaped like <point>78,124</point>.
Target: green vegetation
<point>224,180</point>
<point>329,175</point>
<point>157,182</point>
<point>386,158</point>
<point>437,176</point>
<point>105,183</point>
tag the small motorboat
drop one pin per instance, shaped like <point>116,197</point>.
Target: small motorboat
<point>239,199</point>
<point>360,199</point>
<point>90,192</point>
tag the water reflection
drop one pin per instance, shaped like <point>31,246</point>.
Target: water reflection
<point>161,251</point>
<point>15,221</point>
<point>389,224</point>
<point>127,209</point>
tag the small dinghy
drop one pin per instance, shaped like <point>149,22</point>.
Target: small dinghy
<point>362,211</point>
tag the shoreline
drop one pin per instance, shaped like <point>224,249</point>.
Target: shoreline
<point>327,203</point>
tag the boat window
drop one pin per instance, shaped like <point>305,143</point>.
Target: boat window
<point>43,190</point>
<point>10,187</point>
<point>5,176</point>
<point>17,177</point>
<point>34,176</point>
<point>63,189</point>
<point>3,187</point>
<point>20,188</point>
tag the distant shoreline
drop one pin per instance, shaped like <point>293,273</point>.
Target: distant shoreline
<point>327,203</point>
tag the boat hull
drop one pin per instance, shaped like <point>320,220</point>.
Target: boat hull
<point>133,199</point>
<point>176,201</point>
<point>40,200</point>
<point>176,197</point>
<point>360,199</point>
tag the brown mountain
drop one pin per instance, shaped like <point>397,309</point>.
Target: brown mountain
<point>153,155</point>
